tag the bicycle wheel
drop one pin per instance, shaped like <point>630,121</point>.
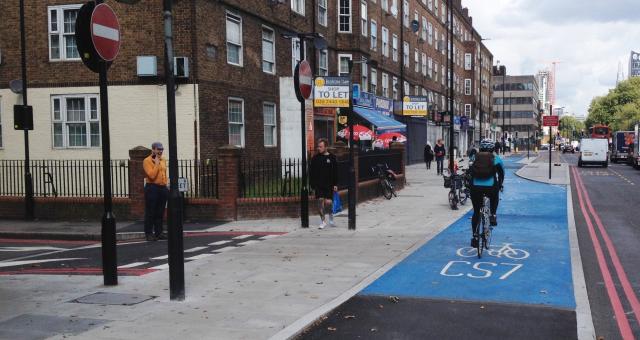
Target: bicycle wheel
<point>486,226</point>
<point>464,196</point>
<point>386,189</point>
<point>453,200</point>
<point>481,237</point>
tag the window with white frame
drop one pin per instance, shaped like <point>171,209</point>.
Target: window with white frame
<point>343,62</point>
<point>430,5</point>
<point>385,85</point>
<point>1,123</point>
<point>467,110</point>
<point>76,121</point>
<point>374,81</point>
<point>62,29</point>
<point>435,72</point>
<point>406,88</point>
<point>323,62</point>
<point>435,6</point>
<point>416,18</point>
<point>385,5</point>
<point>424,64</point>
<point>405,13</point>
<point>416,90</point>
<point>467,61</point>
<point>467,87</point>
<point>425,28</point>
<point>344,16</point>
<point>416,60</point>
<point>405,54</point>
<point>394,46</point>
<point>430,34</point>
<point>234,39</point>
<point>364,81</point>
<point>374,35</point>
<point>394,8</point>
<point>322,12</point>
<point>298,6</point>
<point>236,121</point>
<point>394,88</point>
<point>270,127</point>
<point>363,17</point>
<point>442,75</point>
<point>444,42</point>
<point>295,53</point>
<point>430,67</point>
<point>444,12</point>
<point>385,41</point>
<point>268,50</point>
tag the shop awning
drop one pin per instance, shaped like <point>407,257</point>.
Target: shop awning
<point>382,123</point>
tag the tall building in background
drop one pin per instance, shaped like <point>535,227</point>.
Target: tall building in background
<point>516,98</point>
<point>543,83</point>
<point>634,64</point>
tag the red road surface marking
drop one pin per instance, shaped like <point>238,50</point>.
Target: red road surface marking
<point>621,318</point>
<point>622,275</point>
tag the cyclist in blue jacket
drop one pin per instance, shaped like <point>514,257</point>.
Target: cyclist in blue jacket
<point>487,173</point>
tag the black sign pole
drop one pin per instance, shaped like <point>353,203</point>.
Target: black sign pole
<point>304,189</point>
<point>550,139</point>
<point>528,140</point>
<point>451,92</point>
<point>28,181</point>
<point>174,223</point>
<point>353,186</point>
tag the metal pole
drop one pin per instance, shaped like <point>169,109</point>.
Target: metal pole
<point>451,93</point>
<point>174,223</point>
<point>481,115</point>
<point>550,139</point>
<point>28,180</point>
<point>352,171</point>
<point>304,190</point>
<point>528,140</point>
<point>504,76</point>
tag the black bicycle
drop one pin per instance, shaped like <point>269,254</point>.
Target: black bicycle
<point>458,185</point>
<point>485,226</point>
<point>386,179</point>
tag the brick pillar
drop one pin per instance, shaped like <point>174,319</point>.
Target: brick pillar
<point>136,180</point>
<point>400,147</point>
<point>228,181</point>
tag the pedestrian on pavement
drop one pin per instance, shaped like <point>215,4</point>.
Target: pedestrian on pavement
<point>428,155</point>
<point>498,147</point>
<point>155,192</point>
<point>323,174</point>
<point>440,154</point>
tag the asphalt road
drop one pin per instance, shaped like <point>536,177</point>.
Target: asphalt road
<point>135,257</point>
<point>609,235</point>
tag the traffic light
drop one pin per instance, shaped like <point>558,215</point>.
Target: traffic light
<point>22,117</point>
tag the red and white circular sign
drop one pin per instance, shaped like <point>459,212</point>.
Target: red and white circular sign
<point>305,81</point>
<point>105,32</point>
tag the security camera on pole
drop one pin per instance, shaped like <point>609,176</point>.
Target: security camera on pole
<point>98,41</point>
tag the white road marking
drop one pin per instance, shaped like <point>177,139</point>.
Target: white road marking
<point>248,243</point>
<point>222,250</point>
<point>198,257</point>
<point>20,263</point>
<point>131,265</point>
<point>15,249</point>
<point>106,32</point>
<point>268,237</point>
<point>161,267</point>
<point>242,237</point>
<point>163,257</point>
<point>193,250</point>
<point>219,243</point>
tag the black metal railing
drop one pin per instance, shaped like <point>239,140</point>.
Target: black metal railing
<point>202,177</point>
<point>63,178</point>
<point>367,160</point>
<point>270,178</point>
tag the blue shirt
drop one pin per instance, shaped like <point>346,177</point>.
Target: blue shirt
<point>488,182</point>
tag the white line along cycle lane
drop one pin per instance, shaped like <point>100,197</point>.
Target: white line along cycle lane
<point>529,260</point>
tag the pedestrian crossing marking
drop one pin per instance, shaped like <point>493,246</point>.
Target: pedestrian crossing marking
<point>195,249</point>
<point>221,250</point>
<point>219,243</point>
<point>163,257</point>
<point>198,257</point>
<point>242,237</point>
<point>248,243</point>
<point>131,265</point>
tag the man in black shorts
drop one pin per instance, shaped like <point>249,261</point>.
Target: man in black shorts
<point>323,173</point>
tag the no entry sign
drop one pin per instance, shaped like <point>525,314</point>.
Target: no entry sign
<point>550,121</point>
<point>105,32</point>
<point>303,80</point>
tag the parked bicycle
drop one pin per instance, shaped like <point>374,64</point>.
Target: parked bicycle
<point>458,184</point>
<point>386,179</point>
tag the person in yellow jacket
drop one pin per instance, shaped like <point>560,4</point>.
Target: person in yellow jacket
<point>156,192</point>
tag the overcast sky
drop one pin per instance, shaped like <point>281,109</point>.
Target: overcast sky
<point>588,37</point>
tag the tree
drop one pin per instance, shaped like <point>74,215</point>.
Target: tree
<point>620,108</point>
<point>570,125</point>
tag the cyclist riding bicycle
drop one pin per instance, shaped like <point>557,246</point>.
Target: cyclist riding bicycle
<point>487,177</point>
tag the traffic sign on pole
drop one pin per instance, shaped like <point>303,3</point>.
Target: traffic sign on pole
<point>105,32</point>
<point>303,80</point>
<point>550,121</point>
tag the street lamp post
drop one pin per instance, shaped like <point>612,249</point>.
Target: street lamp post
<point>451,89</point>
<point>28,180</point>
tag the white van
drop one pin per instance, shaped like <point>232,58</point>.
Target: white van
<point>594,151</point>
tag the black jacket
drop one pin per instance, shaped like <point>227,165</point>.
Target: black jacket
<point>323,171</point>
<point>428,153</point>
<point>441,149</point>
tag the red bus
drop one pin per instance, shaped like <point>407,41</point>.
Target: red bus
<point>600,131</point>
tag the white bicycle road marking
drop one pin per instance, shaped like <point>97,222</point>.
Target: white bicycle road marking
<point>506,250</point>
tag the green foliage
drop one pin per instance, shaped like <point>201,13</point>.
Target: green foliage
<point>569,124</point>
<point>620,108</point>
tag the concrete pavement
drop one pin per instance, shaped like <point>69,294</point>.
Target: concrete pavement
<point>269,289</point>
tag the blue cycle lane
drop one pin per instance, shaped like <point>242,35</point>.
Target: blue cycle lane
<point>528,264</point>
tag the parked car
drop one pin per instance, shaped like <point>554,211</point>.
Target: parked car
<point>620,146</point>
<point>568,148</point>
<point>594,151</point>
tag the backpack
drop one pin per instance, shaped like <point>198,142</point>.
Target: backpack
<point>483,167</point>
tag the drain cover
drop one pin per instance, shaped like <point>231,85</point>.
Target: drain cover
<point>102,298</point>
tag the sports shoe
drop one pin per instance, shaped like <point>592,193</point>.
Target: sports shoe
<point>162,236</point>
<point>322,225</point>
<point>151,238</point>
<point>331,222</point>
<point>474,242</point>
<point>493,221</point>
